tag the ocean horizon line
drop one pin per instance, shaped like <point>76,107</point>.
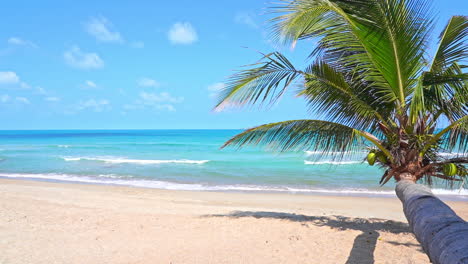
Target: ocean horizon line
<point>118,129</point>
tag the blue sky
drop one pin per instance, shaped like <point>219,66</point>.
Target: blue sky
<point>136,64</point>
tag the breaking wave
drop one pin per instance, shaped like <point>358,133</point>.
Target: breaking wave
<point>136,161</point>
<point>330,162</point>
<point>113,179</point>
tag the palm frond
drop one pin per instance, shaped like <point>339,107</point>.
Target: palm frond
<point>262,82</point>
<point>443,90</point>
<point>296,135</point>
<point>401,35</point>
<point>337,25</point>
<point>446,92</point>
<point>383,41</point>
<point>457,138</point>
<point>344,98</point>
<point>448,77</point>
<point>452,44</point>
<point>453,137</point>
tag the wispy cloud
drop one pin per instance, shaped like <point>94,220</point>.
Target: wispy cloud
<point>82,60</point>
<point>88,84</point>
<point>7,99</point>
<point>103,30</point>
<point>9,77</point>
<point>137,44</point>
<point>12,80</point>
<point>163,97</point>
<point>22,100</point>
<point>182,33</point>
<point>246,18</point>
<point>156,101</point>
<point>148,82</point>
<point>21,42</point>
<point>94,105</point>
<point>52,99</point>
<point>40,90</point>
<point>215,88</point>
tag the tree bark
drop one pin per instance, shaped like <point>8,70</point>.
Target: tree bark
<point>441,232</point>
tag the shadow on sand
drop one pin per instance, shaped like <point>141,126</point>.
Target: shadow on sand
<point>364,244</point>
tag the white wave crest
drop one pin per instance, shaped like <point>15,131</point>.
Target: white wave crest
<point>310,153</point>
<point>136,161</point>
<point>129,181</point>
<point>450,154</point>
<point>330,162</point>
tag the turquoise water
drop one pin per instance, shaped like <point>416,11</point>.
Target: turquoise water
<point>180,159</point>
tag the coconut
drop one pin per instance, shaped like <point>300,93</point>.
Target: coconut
<point>450,169</point>
<point>371,158</point>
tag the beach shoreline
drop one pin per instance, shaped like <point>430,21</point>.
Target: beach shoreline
<point>445,195</point>
<point>49,222</point>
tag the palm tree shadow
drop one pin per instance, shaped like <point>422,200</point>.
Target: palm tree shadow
<point>364,244</point>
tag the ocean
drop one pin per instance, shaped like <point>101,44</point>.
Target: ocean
<point>184,160</point>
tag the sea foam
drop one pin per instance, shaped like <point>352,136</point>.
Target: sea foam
<point>331,162</point>
<point>136,161</point>
<point>130,181</point>
<point>310,153</point>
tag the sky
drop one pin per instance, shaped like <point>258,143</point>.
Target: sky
<point>138,64</point>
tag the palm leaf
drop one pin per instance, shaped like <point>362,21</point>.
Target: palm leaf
<point>454,137</point>
<point>343,98</point>
<point>296,135</point>
<point>446,92</point>
<point>338,26</point>
<point>383,40</point>
<point>452,44</point>
<point>262,82</point>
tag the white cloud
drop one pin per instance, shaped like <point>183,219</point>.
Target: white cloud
<point>137,44</point>
<point>94,105</point>
<point>215,88</point>
<point>24,85</point>
<point>157,101</point>
<point>22,100</point>
<point>88,84</point>
<point>13,80</point>
<point>147,82</point>
<point>82,60</point>
<point>163,97</point>
<point>21,42</point>
<point>5,98</point>
<point>182,33</point>
<point>246,19</point>
<point>103,30</point>
<point>52,99</point>
<point>41,90</point>
<point>8,99</point>
<point>9,77</point>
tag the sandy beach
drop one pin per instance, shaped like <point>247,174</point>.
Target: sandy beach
<point>43,222</point>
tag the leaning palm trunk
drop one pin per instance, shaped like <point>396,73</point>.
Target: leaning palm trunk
<point>441,232</point>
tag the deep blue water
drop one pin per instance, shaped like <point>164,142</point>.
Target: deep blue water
<point>180,159</point>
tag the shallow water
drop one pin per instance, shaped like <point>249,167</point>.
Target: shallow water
<point>185,160</point>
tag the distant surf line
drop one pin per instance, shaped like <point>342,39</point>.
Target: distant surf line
<point>112,179</point>
<point>136,161</point>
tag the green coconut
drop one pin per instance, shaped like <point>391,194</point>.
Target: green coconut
<point>371,158</point>
<point>450,169</point>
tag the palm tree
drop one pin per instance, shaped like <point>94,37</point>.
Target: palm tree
<point>371,79</point>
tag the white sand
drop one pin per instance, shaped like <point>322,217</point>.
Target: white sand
<point>71,223</point>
